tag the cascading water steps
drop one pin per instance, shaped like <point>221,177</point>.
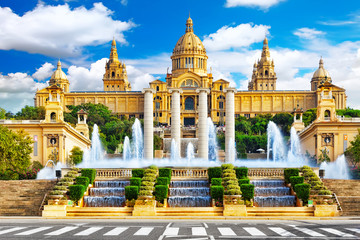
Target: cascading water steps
<point>272,193</point>
<point>107,194</point>
<point>191,193</point>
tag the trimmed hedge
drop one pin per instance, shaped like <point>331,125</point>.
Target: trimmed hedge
<point>216,181</point>
<point>82,181</point>
<point>241,172</point>
<point>162,181</point>
<point>76,192</point>
<point>296,180</point>
<point>161,192</point>
<point>90,173</point>
<point>227,166</point>
<point>131,192</point>
<point>135,181</point>
<point>289,172</point>
<point>137,173</point>
<point>165,172</point>
<point>247,191</point>
<point>302,191</point>
<point>243,181</point>
<point>217,192</point>
<point>214,172</point>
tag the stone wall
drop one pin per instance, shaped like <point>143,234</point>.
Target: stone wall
<point>23,197</point>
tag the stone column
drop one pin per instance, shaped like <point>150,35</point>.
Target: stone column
<point>175,117</point>
<point>230,124</point>
<point>203,135</point>
<point>148,123</point>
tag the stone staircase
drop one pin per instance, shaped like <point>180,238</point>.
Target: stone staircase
<point>98,211</point>
<point>23,197</point>
<point>280,211</point>
<point>348,194</point>
<point>190,211</point>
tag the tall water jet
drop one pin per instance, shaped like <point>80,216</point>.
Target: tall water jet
<point>294,153</point>
<point>190,155</point>
<point>174,150</point>
<point>275,143</point>
<point>137,140</point>
<point>97,151</point>
<point>126,149</point>
<point>212,140</point>
<point>336,170</point>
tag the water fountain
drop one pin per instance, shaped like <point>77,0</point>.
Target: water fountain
<point>174,150</point>
<point>194,193</point>
<point>137,140</point>
<point>49,172</point>
<point>295,148</point>
<point>190,154</point>
<point>275,143</point>
<point>336,170</point>
<point>212,140</point>
<point>126,149</point>
<point>97,151</point>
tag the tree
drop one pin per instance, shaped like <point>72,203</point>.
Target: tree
<point>157,142</point>
<point>353,152</point>
<point>2,113</point>
<point>15,149</point>
<point>76,156</point>
<point>324,156</point>
<point>309,116</point>
<point>31,113</point>
<point>284,120</point>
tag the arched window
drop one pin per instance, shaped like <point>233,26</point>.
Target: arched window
<point>327,114</point>
<point>113,74</point>
<point>53,117</point>
<point>189,103</point>
<point>221,88</point>
<point>157,88</point>
<point>266,73</point>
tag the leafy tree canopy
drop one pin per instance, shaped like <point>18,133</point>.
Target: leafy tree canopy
<point>353,152</point>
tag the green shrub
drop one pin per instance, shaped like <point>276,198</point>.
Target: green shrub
<point>151,171</point>
<point>247,191</point>
<point>165,172</point>
<point>131,192</point>
<point>232,187</point>
<point>233,192</point>
<point>70,175</point>
<point>150,188</point>
<point>145,193</point>
<point>154,167</point>
<point>324,192</point>
<point>147,183</point>
<point>66,179</point>
<point>314,183</point>
<point>243,181</point>
<point>64,183</point>
<point>288,172</point>
<point>137,173</point>
<point>217,192</point>
<point>241,172</point>
<point>216,182</point>
<point>37,165</point>
<point>56,192</point>
<point>61,188</point>
<point>162,181</point>
<point>296,180</point>
<point>135,181</point>
<point>225,179</point>
<point>214,172</point>
<point>90,173</point>
<point>82,181</point>
<point>9,175</point>
<point>161,192</point>
<point>149,178</point>
<point>231,182</point>
<point>232,175</point>
<point>76,192</point>
<point>317,187</point>
<point>302,191</point>
<point>227,166</point>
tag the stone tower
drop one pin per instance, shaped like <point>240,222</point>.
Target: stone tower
<point>115,77</point>
<point>264,76</point>
<point>59,79</point>
<point>321,75</point>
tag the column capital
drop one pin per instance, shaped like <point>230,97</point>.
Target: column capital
<point>199,90</point>
<point>230,89</point>
<point>148,90</point>
<point>171,90</point>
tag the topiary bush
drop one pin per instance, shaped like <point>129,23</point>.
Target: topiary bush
<point>131,192</point>
<point>289,172</point>
<point>90,173</point>
<point>216,182</point>
<point>214,172</point>
<point>296,180</point>
<point>135,181</point>
<point>247,191</point>
<point>82,181</point>
<point>165,172</point>
<point>137,173</point>
<point>241,172</point>
<point>162,181</point>
<point>76,192</point>
<point>227,166</point>
<point>243,181</point>
<point>302,191</point>
<point>66,179</point>
<point>161,192</point>
<point>217,192</point>
<point>151,171</point>
<point>154,167</point>
<point>324,192</point>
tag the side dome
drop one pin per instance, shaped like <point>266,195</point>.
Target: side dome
<point>321,72</point>
<point>189,42</point>
<point>57,75</point>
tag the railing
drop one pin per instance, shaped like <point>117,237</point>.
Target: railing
<point>346,119</point>
<point>5,121</point>
<point>337,202</point>
<point>113,173</point>
<point>266,172</point>
<point>189,173</point>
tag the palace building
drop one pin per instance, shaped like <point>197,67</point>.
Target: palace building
<point>190,72</point>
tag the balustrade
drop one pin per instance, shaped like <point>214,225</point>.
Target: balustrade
<point>189,173</point>
<point>266,172</point>
<point>113,173</point>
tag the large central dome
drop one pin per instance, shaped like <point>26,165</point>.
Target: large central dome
<point>189,53</point>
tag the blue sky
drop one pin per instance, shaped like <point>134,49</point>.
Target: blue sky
<point>35,34</point>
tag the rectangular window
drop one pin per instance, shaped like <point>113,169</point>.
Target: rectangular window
<point>237,115</point>
<point>160,114</point>
<point>35,145</point>
<point>221,105</point>
<point>157,105</point>
<point>247,115</point>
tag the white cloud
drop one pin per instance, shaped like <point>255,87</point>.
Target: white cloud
<point>138,78</point>
<point>44,72</point>
<point>124,2</point>
<point>262,4</point>
<point>242,35</point>
<point>59,30</point>
<point>308,33</point>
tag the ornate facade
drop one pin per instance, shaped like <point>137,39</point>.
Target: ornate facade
<point>189,73</point>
